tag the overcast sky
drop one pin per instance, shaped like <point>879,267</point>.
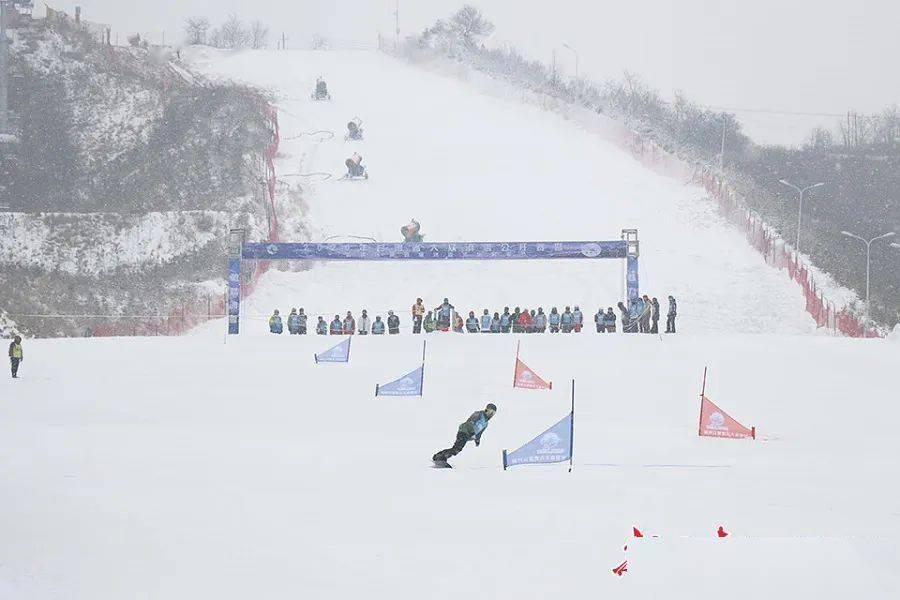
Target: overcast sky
<point>822,56</point>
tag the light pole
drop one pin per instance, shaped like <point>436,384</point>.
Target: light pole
<point>575,52</point>
<point>868,244</point>
<point>800,191</point>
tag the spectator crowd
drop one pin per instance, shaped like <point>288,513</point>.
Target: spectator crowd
<point>642,315</point>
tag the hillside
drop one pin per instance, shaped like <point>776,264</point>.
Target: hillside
<point>128,173</point>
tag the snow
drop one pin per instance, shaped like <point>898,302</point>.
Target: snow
<point>185,467</point>
<point>206,466</point>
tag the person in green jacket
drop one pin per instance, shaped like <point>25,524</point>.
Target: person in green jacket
<point>470,429</point>
<point>428,323</point>
<point>15,356</point>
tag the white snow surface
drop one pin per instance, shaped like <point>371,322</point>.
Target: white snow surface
<point>472,167</point>
<point>205,467</point>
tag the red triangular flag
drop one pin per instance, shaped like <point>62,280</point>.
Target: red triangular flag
<point>526,378</point>
<point>715,422</point>
<point>637,532</point>
<point>721,532</point>
<point>621,569</point>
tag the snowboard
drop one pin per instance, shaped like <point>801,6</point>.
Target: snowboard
<point>441,464</point>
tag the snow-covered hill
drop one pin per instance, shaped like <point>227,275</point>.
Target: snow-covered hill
<point>475,167</point>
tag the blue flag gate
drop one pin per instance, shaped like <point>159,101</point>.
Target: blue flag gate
<point>627,248</point>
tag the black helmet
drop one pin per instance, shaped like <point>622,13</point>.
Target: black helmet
<point>491,406</point>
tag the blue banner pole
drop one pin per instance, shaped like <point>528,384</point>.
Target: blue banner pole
<point>504,460</point>
<point>572,427</point>
<point>422,379</point>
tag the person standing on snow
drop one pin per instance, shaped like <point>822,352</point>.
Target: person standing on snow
<point>378,326</point>
<point>566,320</point>
<point>654,316</point>
<point>444,314</point>
<point>634,314</point>
<point>418,313</point>
<point>577,320</point>
<point>609,320</point>
<point>458,325</point>
<point>670,316</point>
<point>646,313</point>
<point>495,323</point>
<point>471,429</point>
<point>505,320</point>
<point>293,325</point>
<point>600,321</point>
<point>301,322</point>
<point>626,318</point>
<point>349,324</point>
<point>472,323</point>
<point>486,322</point>
<point>15,356</point>
<point>321,327</point>
<point>364,323</point>
<point>393,323</point>
<point>554,320</point>
<point>540,321</point>
<point>428,324</point>
<point>275,325</point>
<point>336,328</point>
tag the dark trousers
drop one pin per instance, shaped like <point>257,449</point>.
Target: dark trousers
<point>395,330</point>
<point>14,363</point>
<point>417,324</point>
<point>461,439</point>
<point>670,324</point>
<point>655,327</point>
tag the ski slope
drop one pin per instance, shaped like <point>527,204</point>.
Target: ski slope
<point>205,467</point>
<point>471,167</point>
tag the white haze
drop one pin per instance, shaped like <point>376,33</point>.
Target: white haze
<point>801,56</point>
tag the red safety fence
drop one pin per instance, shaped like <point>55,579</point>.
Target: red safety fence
<point>187,315</point>
<point>759,234</point>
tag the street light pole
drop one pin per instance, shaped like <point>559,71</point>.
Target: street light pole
<point>868,244</point>
<point>575,52</point>
<point>800,191</point>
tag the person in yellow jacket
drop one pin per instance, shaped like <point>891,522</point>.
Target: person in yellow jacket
<point>15,356</point>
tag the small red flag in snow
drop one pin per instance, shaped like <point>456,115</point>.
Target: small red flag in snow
<point>721,532</point>
<point>636,532</point>
<point>621,569</point>
<point>526,378</point>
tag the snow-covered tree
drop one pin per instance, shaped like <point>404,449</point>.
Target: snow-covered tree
<point>196,29</point>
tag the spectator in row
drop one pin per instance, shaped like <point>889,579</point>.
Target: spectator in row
<point>418,313</point>
<point>297,322</point>
<point>393,323</point>
<point>321,327</point>
<point>670,315</point>
<point>275,325</point>
<point>378,326</point>
<point>486,322</point>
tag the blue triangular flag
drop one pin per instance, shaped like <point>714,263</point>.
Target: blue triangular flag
<point>552,446</point>
<point>409,385</point>
<point>339,353</point>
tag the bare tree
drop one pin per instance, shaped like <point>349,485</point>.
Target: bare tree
<point>259,35</point>
<point>820,139</point>
<point>234,35</point>
<point>469,25</point>
<point>215,38</point>
<point>196,29</point>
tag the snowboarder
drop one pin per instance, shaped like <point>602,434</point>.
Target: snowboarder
<point>393,323</point>
<point>321,327</point>
<point>418,312</point>
<point>15,356</point>
<point>471,429</point>
<point>486,322</point>
<point>275,325</point>
<point>472,323</point>
<point>670,316</point>
<point>364,323</point>
<point>378,326</point>
<point>411,233</point>
<point>554,320</point>
<point>336,328</point>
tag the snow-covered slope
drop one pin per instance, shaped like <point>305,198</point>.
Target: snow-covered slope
<point>187,468</point>
<point>473,167</point>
